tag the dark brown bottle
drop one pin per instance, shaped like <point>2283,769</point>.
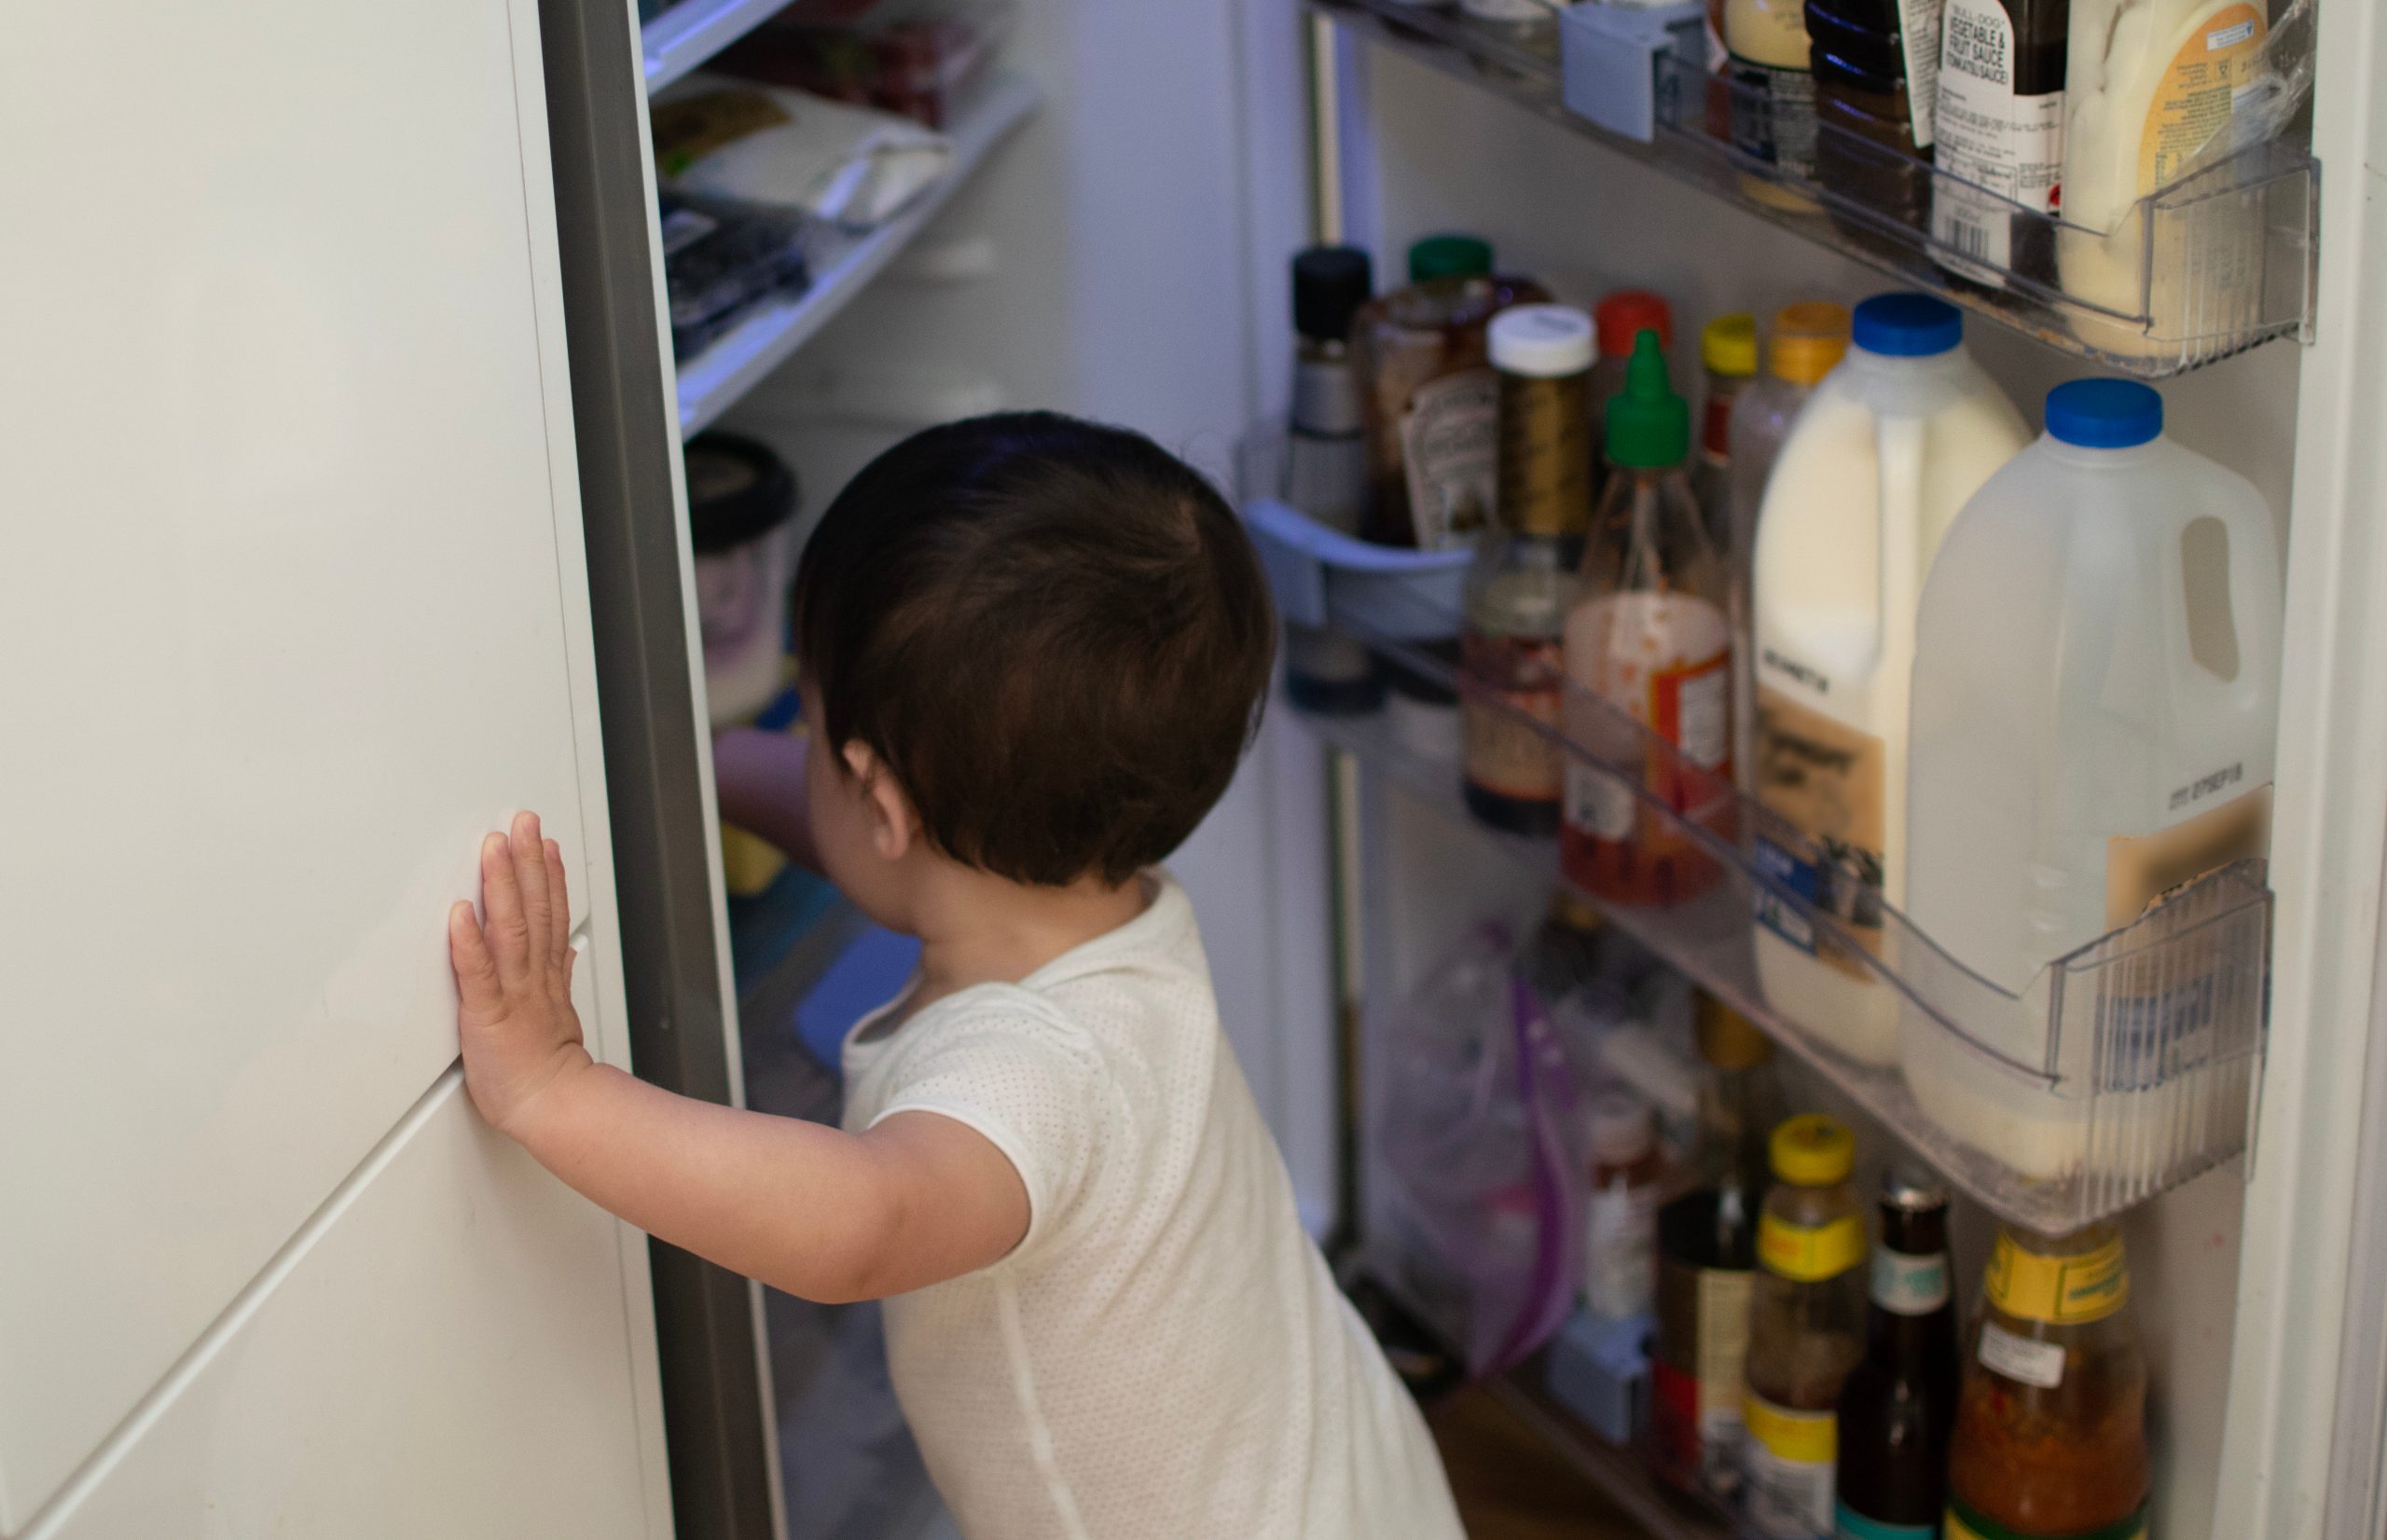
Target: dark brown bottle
<point>1708,1259</point>
<point>1898,1405</point>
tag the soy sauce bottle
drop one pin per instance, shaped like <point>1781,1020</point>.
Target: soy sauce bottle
<point>1899,1405</point>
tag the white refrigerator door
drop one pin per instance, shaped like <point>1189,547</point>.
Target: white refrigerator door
<point>293,603</point>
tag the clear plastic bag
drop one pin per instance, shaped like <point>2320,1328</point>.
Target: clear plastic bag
<point>1480,1136</point>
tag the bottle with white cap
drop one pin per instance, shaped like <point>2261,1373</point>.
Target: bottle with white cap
<point>1523,576</point>
<point>2096,688</point>
<point>1885,452</point>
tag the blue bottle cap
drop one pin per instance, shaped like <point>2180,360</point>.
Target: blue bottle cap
<point>2104,414</point>
<point>1907,325</point>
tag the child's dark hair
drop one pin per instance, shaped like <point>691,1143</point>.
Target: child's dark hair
<point>1053,634</point>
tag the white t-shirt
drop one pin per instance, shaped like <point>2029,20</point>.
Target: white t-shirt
<point>1163,1355</point>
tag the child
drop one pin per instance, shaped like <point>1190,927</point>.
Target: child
<point>1034,650</point>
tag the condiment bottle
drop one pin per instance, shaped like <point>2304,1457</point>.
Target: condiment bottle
<point>1899,1402</point>
<point>1621,1234</point>
<point>1728,347</point>
<point>1650,657</point>
<point>2050,1436</point>
<point>1774,86</point>
<point>1808,339</point>
<point>1427,395</point>
<point>1523,578</point>
<point>1707,1259</point>
<point>1621,315</point>
<point>1805,1329</point>
<point>1325,463</point>
<point>1999,133</point>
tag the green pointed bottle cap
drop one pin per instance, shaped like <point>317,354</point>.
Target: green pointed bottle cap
<point>1648,424</point>
<point>1449,256</point>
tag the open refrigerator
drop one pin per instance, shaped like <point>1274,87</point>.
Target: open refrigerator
<point>1131,183</point>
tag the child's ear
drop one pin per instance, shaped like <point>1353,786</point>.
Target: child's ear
<point>894,827</point>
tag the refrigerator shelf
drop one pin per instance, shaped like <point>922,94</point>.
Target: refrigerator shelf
<point>694,31</point>
<point>2122,1069</point>
<point>742,357</point>
<point>2210,266</point>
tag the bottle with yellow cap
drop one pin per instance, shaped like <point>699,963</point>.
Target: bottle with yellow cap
<point>2050,1441</point>
<point>1727,351</point>
<point>1707,1259</point>
<point>1806,1328</point>
<point>1807,340</point>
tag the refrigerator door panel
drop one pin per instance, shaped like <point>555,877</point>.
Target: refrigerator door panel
<point>440,1352</point>
<point>297,610</point>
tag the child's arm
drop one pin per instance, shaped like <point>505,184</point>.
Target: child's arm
<point>759,778</point>
<point>818,1213</point>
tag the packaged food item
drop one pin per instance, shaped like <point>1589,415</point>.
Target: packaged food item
<point>2000,136</point>
<point>721,258</point>
<point>853,167</point>
<point>1774,84</point>
<point>741,528</point>
<point>1808,342</point>
<point>1708,1259</point>
<point>1728,349</point>
<point>1886,451</point>
<point>2096,682</point>
<point>1806,1326</point>
<point>2050,1437</point>
<point>1523,578</point>
<point>1899,1405</point>
<point>1326,471</point>
<point>2147,84</point>
<point>1428,397</point>
<point>1877,90</point>
<point>917,57</point>
<point>1647,641</point>
<point>1620,1224</point>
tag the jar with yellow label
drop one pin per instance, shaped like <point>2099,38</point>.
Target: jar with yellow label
<point>2050,1441</point>
<point>1806,1328</point>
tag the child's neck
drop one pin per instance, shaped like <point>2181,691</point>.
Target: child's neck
<point>975,928</point>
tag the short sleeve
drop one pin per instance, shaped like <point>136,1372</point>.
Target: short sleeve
<point>1022,1076</point>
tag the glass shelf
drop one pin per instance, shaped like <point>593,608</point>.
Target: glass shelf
<point>2122,1069</point>
<point>2210,266</point>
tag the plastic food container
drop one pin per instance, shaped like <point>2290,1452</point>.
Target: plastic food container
<point>741,508</point>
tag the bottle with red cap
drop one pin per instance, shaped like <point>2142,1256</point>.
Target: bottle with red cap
<point>1620,316</point>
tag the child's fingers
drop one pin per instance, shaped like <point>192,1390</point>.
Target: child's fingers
<point>507,935</point>
<point>476,985</point>
<point>560,900</point>
<point>531,876</point>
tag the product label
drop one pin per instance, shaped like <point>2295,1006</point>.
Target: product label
<point>1824,779</point>
<point>1723,1350</point>
<point>2005,144</point>
<point>2058,1290</point>
<point>1450,442</point>
<point>2021,1359</point>
<point>2143,871</point>
<point>1665,660</point>
<point>1516,684</point>
<point>1788,1465</point>
<point>1774,114</point>
<point>1848,1525</point>
<point>1810,1254</point>
<point>1919,40</point>
<point>1910,1285</point>
<point>1965,1524</point>
<point>2195,99</point>
<point>1620,1260</point>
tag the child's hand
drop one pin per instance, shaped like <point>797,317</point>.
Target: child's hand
<point>514,976</point>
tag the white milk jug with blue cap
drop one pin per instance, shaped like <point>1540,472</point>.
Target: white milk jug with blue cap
<point>1875,469</point>
<point>2096,686</point>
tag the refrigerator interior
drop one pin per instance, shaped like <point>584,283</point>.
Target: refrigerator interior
<point>1122,254</point>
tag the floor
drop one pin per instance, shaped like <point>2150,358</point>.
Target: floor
<point>1509,1485</point>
